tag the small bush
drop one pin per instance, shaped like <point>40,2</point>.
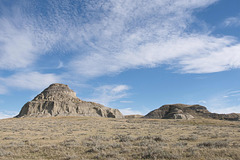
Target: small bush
<point>124,138</point>
<point>216,144</point>
<point>157,153</point>
<point>189,138</point>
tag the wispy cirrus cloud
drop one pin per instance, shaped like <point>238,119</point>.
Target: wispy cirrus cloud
<point>16,48</point>
<point>162,35</point>
<point>109,93</point>
<point>227,110</point>
<point>235,93</point>
<point>126,101</point>
<point>27,33</point>
<point>129,111</point>
<point>30,80</point>
<point>108,37</point>
<point>226,102</point>
<point>3,89</point>
<point>232,22</point>
<point>7,114</point>
<point>222,59</point>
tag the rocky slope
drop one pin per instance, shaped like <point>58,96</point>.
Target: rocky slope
<point>60,100</point>
<point>183,111</point>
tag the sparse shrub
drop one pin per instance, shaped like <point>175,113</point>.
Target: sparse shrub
<point>181,144</point>
<point>116,145</point>
<point>70,143</point>
<point>159,138</point>
<point>124,138</point>
<point>136,139</point>
<point>216,144</point>
<point>155,138</point>
<point>106,155</point>
<point>189,137</point>
<point>8,138</point>
<point>157,153</point>
<point>5,153</point>
<point>97,138</point>
<point>98,148</point>
<point>219,135</point>
<point>192,152</point>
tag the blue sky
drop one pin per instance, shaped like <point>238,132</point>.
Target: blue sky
<point>134,55</point>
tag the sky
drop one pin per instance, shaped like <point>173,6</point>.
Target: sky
<point>133,55</point>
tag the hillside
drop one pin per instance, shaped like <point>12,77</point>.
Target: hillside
<point>60,100</point>
<point>76,138</point>
<point>183,111</point>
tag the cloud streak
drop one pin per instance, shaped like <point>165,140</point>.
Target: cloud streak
<point>129,111</point>
<point>30,80</point>
<point>227,110</point>
<point>7,114</point>
<point>3,89</point>
<point>109,93</point>
<point>227,102</point>
<point>232,22</point>
<point>109,37</point>
<point>162,35</point>
<point>16,48</point>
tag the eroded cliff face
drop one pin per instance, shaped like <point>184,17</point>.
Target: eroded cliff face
<point>60,100</point>
<point>183,111</point>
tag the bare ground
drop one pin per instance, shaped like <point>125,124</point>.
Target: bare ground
<point>73,138</point>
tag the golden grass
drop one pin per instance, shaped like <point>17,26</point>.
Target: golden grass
<point>76,138</point>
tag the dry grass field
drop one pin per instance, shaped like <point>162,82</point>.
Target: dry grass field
<point>73,138</point>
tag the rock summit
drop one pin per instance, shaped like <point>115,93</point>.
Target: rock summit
<point>60,100</point>
<point>183,111</point>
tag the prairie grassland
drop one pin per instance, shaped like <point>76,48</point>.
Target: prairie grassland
<point>73,138</point>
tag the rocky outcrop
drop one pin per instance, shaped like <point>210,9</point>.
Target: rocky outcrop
<point>230,117</point>
<point>183,111</point>
<point>60,100</point>
<point>182,116</point>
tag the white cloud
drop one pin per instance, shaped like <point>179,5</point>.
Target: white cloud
<point>60,65</point>
<point>30,80</point>
<point>108,37</point>
<point>232,21</point>
<point>16,48</point>
<point>121,42</point>
<point>226,110</point>
<point>193,54</point>
<point>226,102</point>
<point>3,89</point>
<point>120,88</point>
<point>224,58</point>
<point>126,101</point>
<point>232,94</point>
<point>202,102</point>
<point>7,114</point>
<point>129,111</point>
<point>23,36</point>
<point>3,116</point>
<point>109,93</point>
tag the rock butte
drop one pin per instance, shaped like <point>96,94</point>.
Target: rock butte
<point>183,111</point>
<point>60,100</point>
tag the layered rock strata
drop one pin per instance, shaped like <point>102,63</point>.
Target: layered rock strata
<point>60,100</point>
<point>183,111</point>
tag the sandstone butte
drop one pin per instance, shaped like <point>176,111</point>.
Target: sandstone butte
<point>60,100</point>
<point>183,111</point>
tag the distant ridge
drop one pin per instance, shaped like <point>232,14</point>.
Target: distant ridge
<point>183,111</point>
<point>133,116</point>
<point>59,100</point>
